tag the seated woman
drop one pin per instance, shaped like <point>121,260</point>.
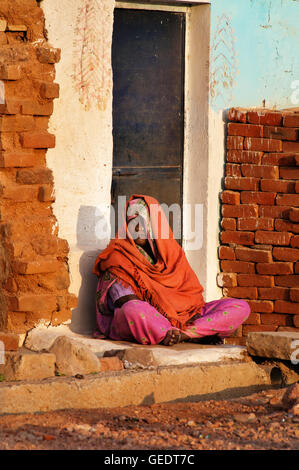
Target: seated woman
<point>147,291</point>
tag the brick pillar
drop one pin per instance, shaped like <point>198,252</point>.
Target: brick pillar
<point>33,259</point>
<point>259,252</point>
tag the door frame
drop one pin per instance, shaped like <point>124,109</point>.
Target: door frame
<point>196,126</point>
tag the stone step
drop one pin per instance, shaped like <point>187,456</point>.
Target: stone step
<point>278,345</point>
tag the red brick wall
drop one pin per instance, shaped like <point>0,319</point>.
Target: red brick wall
<point>34,278</point>
<point>259,252</point>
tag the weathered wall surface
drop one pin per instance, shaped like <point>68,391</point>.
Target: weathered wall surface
<point>254,53</point>
<point>34,271</point>
<point>82,124</point>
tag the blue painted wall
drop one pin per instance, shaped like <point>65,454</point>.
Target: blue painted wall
<point>254,53</point>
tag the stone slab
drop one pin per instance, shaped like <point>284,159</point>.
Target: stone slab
<point>42,338</point>
<point>26,365</point>
<point>278,344</point>
<point>141,387</point>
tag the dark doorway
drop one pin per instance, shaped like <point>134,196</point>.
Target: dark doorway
<point>148,104</point>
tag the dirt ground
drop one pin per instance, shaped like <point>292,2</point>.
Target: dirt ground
<point>255,422</point>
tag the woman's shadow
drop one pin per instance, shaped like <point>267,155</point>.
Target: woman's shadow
<point>92,238</point>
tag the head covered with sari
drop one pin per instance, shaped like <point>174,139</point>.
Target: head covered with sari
<point>165,280</point>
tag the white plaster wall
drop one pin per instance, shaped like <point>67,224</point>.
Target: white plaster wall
<point>82,159</point>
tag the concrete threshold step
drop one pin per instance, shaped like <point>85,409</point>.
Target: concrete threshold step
<point>41,338</point>
<point>218,380</point>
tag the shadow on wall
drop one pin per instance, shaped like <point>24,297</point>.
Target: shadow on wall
<point>93,235</point>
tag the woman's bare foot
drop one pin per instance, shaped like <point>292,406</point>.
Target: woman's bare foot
<point>174,337</point>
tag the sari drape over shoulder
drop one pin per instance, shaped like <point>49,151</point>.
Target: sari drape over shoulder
<point>170,285</point>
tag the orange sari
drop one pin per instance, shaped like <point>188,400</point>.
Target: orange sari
<point>170,285</point>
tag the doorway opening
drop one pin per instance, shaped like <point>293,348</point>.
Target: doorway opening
<point>148,60</point>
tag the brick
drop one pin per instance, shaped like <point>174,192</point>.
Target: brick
<point>258,197</point>
<point>295,241</point>
<point>37,109</point>
<point>276,319</point>
<point>296,268</point>
<point>281,212</point>
<point>36,303</point>
<point>237,115</point>
<point>244,156</point>
<point>296,321</point>
<point>250,254</point>
<point>289,173</point>
<point>279,159</point>
<point>245,130</point>
<point>294,215</point>
<point>226,280</point>
<point>229,266</point>
<point>3,24</point>
<point>228,224</point>
<point>297,187</point>
<point>110,364</point>
<point>266,145</point>
<point>260,171</point>
<point>230,197</point>
<point>39,139</point>
<point>261,306</point>
<point>274,268</point>
<point>17,28</point>
<point>241,184</point>
<point>17,159</point>
<point>20,193</point>
<point>241,292</point>
<point>37,175</point>
<point>232,169</point>
<point>282,306</point>
<point>16,123</point>
<point>48,55</point>
<point>49,90</point>
<point>226,252</point>
<point>291,120</point>
<point>11,341</point>
<point>3,39</point>
<point>255,280</point>
<point>287,281</point>
<point>252,328</point>
<point>234,142</point>
<point>278,186</point>
<point>253,319</point>
<point>297,159</point>
<point>10,106</point>
<point>290,146</point>
<point>264,117</point>
<point>36,267</point>
<point>287,200</point>
<point>272,238</point>
<point>294,294</point>
<point>282,225</point>
<point>238,238</point>
<point>273,293</point>
<point>281,133</point>
<point>254,223</point>
<point>10,72</point>
<point>241,210</point>
<point>46,193</point>
<point>286,254</point>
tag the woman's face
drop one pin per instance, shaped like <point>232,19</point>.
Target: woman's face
<point>140,231</point>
